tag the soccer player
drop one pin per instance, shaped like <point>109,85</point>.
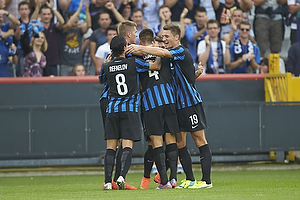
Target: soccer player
<point>159,118</point>
<point>127,29</point>
<point>122,120</point>
<point>189,104</point>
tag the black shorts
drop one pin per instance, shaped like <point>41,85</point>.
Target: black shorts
<point>161,120</point>
<point>103,105</point>
<point>125,125</point>
<point>192,118</point>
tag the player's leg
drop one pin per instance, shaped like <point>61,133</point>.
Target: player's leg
<point>172,155</point>
<point>109,162</point>
<point>125,162</point>
<point>160,160</point>
<point>148,163</point>
<point>184,156</point>
<point>205,153</point>
<point>118,161</point>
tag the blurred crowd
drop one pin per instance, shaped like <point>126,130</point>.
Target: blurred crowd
<point>72,37</point>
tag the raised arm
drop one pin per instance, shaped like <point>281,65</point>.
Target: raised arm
<point>64,4</point>
<point>14,21</point>
<point>110,6</point>
<point>245,5</point>
<point>182,16</point>
<point>170,3</point>
<point>215,4</point>
<point>60,19</point>
<point>88,19</point>
<point>72,19</point>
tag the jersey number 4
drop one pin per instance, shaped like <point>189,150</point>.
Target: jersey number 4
<point>153,73</point>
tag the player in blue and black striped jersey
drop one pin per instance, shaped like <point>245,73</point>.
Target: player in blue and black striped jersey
<point>159,117</point>
<point>128,30</point>
<point>122,120</point>
<point>189,104</point>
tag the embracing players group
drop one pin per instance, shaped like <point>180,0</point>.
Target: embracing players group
<point>154,84</point>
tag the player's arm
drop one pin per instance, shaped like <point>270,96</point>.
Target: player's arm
<point>156,51</point>
<point>102,78</point>
<point>245,5</point>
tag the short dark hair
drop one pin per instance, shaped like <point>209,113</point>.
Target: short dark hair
<point>158,38</point>
<point>175,30</point>
<point>44,7</point>
<point>200,9</point>
<point>146,35</point>
<point>213,21</point>
<point>136,10</point>
<point>117,45</point>
<point>111,28</point>
<point>265,61</point>
<point>164,6</point>
<point>22,3</point>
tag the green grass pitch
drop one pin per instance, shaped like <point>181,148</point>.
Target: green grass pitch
<point>242,184</point>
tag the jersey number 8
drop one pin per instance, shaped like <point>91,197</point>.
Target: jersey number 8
<point>121,85</point>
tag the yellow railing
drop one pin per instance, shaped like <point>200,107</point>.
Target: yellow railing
<point>281,87</point>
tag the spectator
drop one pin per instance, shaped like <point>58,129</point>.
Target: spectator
<point>71,41</point>
<point>24,11</point>
<point>104,6</point>
<point>7,48</point>
<point>125,9</point>
<point>213,52</point>
<point>268,25</point>
<point>150,11</point>
<point>210,12</point>
<point>51,32</point>
<point>78,70</point>
<point>176,7</point>
<point>165,18</point>
<point>35,61</point>
<point>236,19</point>
<point>223,12</point>
<point>104,49</point>
<point>98,38</point>
<point>264,66</point>
<point>293,62</point>
<point>196,32</point>
<point>137,17</point>
<point>245,56</point>
<point>294,7</point>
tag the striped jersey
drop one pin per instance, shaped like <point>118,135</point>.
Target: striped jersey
<point>183,72</point>
<point>106,86</point>
<point>157,85</point>
<point>121,74</point>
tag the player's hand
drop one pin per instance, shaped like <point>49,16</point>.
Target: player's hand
<point>108,58</point>
<point>132,48</point>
